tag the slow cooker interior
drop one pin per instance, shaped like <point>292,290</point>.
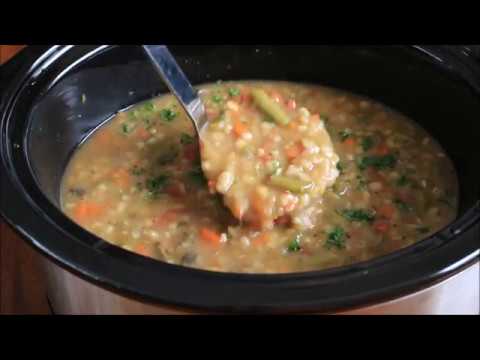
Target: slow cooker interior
<point>88,92</point>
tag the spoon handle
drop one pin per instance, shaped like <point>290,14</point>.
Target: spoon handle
<point>177,82</point>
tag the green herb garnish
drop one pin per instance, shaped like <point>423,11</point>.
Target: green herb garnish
<point>156,185</point>
<point>186,139</point>
<point>217,98</point>
<point>340,167</point>
<point>294,245</point>
<point>358,215</point>
<point>362,183</point>
<point>127,128</point>
<point>378,162</point>
<point>367,143</point>
<point>336,238</point>
<point>168,115</point>
<point>149,106</point>
<point>233,92</point>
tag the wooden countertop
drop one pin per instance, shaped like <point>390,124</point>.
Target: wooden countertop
<point>22,286</point>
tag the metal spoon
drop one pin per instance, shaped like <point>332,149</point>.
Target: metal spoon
<point>177,82</point>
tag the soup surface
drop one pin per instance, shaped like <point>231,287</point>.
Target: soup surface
<point>381,182</point>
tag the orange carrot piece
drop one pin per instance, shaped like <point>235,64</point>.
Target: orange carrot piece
<point>239,127</point>
<point>210,237</point>
<point>87,210</point>
<point>143,134</point>
<point>143,249</point>
<point>293,151</point>
<point>350,142</point>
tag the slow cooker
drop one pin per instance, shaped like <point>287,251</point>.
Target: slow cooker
<point>43,119</point>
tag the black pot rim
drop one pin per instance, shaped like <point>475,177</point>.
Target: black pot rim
<point>44,226</point>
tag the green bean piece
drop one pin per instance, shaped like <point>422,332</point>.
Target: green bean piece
<point>293,185</point>
<point>270,107</point>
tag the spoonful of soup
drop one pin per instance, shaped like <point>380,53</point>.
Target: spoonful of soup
<point>269,159</point>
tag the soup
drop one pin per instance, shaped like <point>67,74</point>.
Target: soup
<point>137,181</point>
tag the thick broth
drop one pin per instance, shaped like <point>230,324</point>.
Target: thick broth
<point>137,183</point>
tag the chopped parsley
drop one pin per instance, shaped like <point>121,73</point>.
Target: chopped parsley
<point>148,106</point>
<point>186,139</point>
<point>336,238</point>
<point>127,128</point>
<point>168,115</point>
<point>156,184</point>
<point>378,162</point>
<point>367,143</point>
<point>217,98</point>
<point>358,215</point>
<point>362,183</point>
<point>233,92</point>
<point>294,245</point>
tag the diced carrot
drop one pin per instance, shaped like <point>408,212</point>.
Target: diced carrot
<point>121,178</point>
<point>291,104</point>
<point>143,134</point>
<point>382,150</point>
<point>210,237</point>
<point>381,226</point>
<point>261,239</point>
<point>143,249</point>
<point>350,144</point>
<point>245,98</point>
<point>387,211</point>
<point>87,210</point>
<point>294,150</point>
<point>239,127</point>
<point>167,217</point>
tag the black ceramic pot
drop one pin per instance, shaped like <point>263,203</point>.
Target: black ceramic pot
<point>43,120</point>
